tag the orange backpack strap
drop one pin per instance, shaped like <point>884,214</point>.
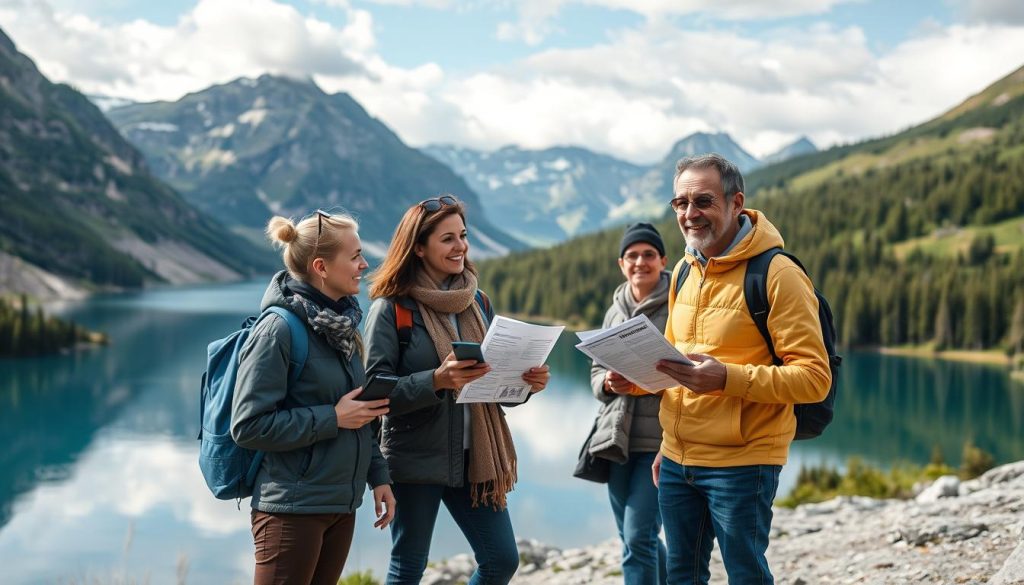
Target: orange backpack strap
<point>403,323</point>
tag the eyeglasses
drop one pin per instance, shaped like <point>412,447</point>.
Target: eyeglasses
<point>435,203</point>
<point>681,204</point>
<point>320,215</point>
<point>635,257</point>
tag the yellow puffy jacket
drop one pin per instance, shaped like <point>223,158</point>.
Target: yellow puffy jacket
<point>750,421</point>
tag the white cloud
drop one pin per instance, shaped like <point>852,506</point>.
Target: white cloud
<point>995,11</point>
<point>633,94</point>
<point>535,17</point>
<point>218,40</point>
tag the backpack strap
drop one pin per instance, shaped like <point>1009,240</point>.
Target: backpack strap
<point>403,324</point>
<point>300,342</point>
<point>679,276</point>
<point>755,291</point>
<point>403,318</point>
<point>485,307</point>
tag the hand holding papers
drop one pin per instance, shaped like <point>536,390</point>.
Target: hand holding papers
<point>511,348</point>
<point>633,349</point>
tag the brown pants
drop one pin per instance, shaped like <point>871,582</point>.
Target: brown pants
<point>301,548</point>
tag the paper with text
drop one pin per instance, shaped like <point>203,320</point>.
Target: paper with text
<point>633,349</point>
<point>511,348</point>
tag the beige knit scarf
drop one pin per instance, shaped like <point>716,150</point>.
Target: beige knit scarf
<point>492,456</point>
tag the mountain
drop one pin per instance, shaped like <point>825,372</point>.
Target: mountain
<point>916,238</point>
<point>544,196</point>
<point>249,149</point>
<point>799,147</point>
<point>80,207</point>
<point>654,187</point>
<point>106,103</point>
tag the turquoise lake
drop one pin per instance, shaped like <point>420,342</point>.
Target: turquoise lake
<point>98,452</point>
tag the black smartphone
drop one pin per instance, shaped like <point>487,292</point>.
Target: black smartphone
<point>468,350</point>
<point>379,386</point>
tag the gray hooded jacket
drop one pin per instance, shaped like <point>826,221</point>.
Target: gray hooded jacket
<point>629,424</point>
<point>311,466</point>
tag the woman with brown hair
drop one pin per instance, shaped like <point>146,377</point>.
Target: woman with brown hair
<point>320,452</point>
<point>439,450</point>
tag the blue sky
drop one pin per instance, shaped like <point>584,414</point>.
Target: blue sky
<point>623,77</point>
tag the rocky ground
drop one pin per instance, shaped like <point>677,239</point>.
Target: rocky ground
<point>952,533</point>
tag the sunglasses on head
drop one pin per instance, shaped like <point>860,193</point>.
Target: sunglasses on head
<point>320,215</point>
<point>434,203</point>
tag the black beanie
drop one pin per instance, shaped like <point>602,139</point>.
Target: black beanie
<point>641,232</point>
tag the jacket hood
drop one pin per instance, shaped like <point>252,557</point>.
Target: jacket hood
<point>277,294</point>
<point>763,236</point>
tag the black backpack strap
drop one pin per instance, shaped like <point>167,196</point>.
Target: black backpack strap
<point>684,273</point>
<point>755,291</point>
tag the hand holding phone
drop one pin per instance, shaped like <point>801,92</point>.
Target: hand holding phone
<point>468,350</point>
<point>379,386</point>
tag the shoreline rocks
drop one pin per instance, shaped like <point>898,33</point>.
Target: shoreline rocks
<point>969,532</point>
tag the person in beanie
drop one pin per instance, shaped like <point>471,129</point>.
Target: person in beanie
<point>628,432</point>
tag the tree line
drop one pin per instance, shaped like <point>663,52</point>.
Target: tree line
<point>843,228</point>
<point>26,332</point>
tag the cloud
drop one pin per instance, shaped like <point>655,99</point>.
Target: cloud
<point>995,11</point>
<point>535,17</point>
<point>632,94</point>
<point>217,41</point>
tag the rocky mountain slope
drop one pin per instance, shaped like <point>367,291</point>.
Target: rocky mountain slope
<point>248,149</point>
<point>80,207</point>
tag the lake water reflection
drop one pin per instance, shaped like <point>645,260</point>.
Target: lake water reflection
<point>98,448</point>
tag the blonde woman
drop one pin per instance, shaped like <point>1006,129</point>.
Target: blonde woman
<point>320,451</point>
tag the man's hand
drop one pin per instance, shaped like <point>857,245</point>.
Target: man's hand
<point>455,374</point>
<point>352,413</point>
<point>383,505</point>
<point>656,469</point>
<point>708,375</point>
<point>615,383</point>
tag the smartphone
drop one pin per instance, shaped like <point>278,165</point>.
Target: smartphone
<point>379,386</point>
<point>468,350</point>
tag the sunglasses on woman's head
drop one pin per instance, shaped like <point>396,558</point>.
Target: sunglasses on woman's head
<point>434,203</point>
<point>320,215</point>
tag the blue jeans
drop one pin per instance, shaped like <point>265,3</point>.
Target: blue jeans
<point>635,504</point>
<point>489,533</point>
<point>733,504</point>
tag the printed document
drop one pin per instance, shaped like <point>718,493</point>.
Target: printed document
<point>511,348</point>
<point>633,349</point>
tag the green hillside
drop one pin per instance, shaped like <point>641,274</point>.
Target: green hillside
<point>872,223</point>
<point>79,204</point>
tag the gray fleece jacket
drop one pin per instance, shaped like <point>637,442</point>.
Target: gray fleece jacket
<point>629,424</point>
<point>311,466</point>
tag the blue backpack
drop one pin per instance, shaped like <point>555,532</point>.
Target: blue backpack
<point>230,470</point>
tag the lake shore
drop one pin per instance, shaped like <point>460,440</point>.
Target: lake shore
<point>953,532</point>
<point>992,356</point>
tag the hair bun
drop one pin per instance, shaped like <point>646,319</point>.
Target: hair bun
<point>282,229</point>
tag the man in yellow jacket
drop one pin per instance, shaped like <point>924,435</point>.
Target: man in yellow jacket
<point>728,426</point>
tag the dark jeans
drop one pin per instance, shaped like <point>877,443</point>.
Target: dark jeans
<point>634,501</point>
<point>733,504</point>
<point>301,548</point>
<point>488,531</point>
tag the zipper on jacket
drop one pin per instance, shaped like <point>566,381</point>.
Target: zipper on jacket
<point>451,436</point>
<point>351,504</point>
<point>692,345</point>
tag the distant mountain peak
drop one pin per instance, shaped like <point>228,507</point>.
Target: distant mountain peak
<point>798,147</point>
